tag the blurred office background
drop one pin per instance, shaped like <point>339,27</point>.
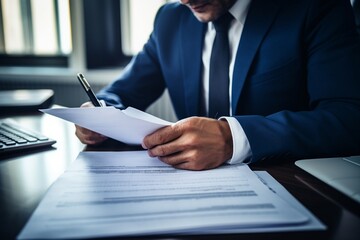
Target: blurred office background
<point>44,43</point>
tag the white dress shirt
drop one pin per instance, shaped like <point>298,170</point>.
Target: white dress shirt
<point>241,146</point>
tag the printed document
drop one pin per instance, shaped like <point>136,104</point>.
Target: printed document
<point>106,194</point>
<point>129,126</point>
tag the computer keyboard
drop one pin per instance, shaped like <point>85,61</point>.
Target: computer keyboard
<point>14,137</point>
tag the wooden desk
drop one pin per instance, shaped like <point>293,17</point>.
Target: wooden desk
<point>25,178</point>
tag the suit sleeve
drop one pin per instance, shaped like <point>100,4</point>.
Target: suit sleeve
<point>331,126</point>
<point>141,82</point>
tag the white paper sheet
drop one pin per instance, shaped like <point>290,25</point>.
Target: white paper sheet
<point>128,126</point>
<point>130,194</point>
<point>312,224</point>
<point>277,188</point>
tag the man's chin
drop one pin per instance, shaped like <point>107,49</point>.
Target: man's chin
<point>203,17</point>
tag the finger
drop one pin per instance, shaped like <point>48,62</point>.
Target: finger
<point>185,166</point>
<point>178,161</point>
<point>87,104</point>
<point>83,134</point>
<point>89,137</point>
<point>95,139</point>
<point>193,165</point>
<point>174,159</point>
<point>83,138</point>
<point>192,159</point>
<point>166,149</point>
<point>161,136</point>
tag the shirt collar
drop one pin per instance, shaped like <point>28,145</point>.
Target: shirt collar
<point>239,10</point>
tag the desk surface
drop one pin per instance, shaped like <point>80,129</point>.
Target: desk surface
<point>25,178</point>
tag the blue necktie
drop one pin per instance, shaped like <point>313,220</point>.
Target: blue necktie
<point>219,69</point>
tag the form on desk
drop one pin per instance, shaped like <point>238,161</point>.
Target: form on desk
<point>107,194</point>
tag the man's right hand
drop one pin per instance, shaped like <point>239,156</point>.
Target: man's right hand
<point>87,136</point>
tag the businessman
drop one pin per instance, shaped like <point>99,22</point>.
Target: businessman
<point>283,82</point>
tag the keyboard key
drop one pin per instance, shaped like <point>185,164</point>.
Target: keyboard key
<point>9,143</point>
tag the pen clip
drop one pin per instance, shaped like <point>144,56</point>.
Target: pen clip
<point>83,81</point>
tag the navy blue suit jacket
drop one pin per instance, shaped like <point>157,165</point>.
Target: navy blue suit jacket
<point>296,81</point>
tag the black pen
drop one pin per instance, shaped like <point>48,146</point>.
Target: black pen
<point>88,90</point>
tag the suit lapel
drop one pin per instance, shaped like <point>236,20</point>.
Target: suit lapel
<point>192,32</point>
<point>260,16</point>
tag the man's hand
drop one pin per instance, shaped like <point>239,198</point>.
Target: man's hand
<point>194,143</point>
<point>87,136</point>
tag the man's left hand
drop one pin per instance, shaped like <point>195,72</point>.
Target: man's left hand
<point>195,143</point>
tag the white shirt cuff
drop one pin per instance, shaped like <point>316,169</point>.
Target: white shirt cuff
<point>241,146</point>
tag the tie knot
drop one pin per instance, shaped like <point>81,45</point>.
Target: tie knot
<point>222,23</point>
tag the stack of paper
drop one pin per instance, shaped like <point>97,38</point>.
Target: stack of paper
<point>107,194</point>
